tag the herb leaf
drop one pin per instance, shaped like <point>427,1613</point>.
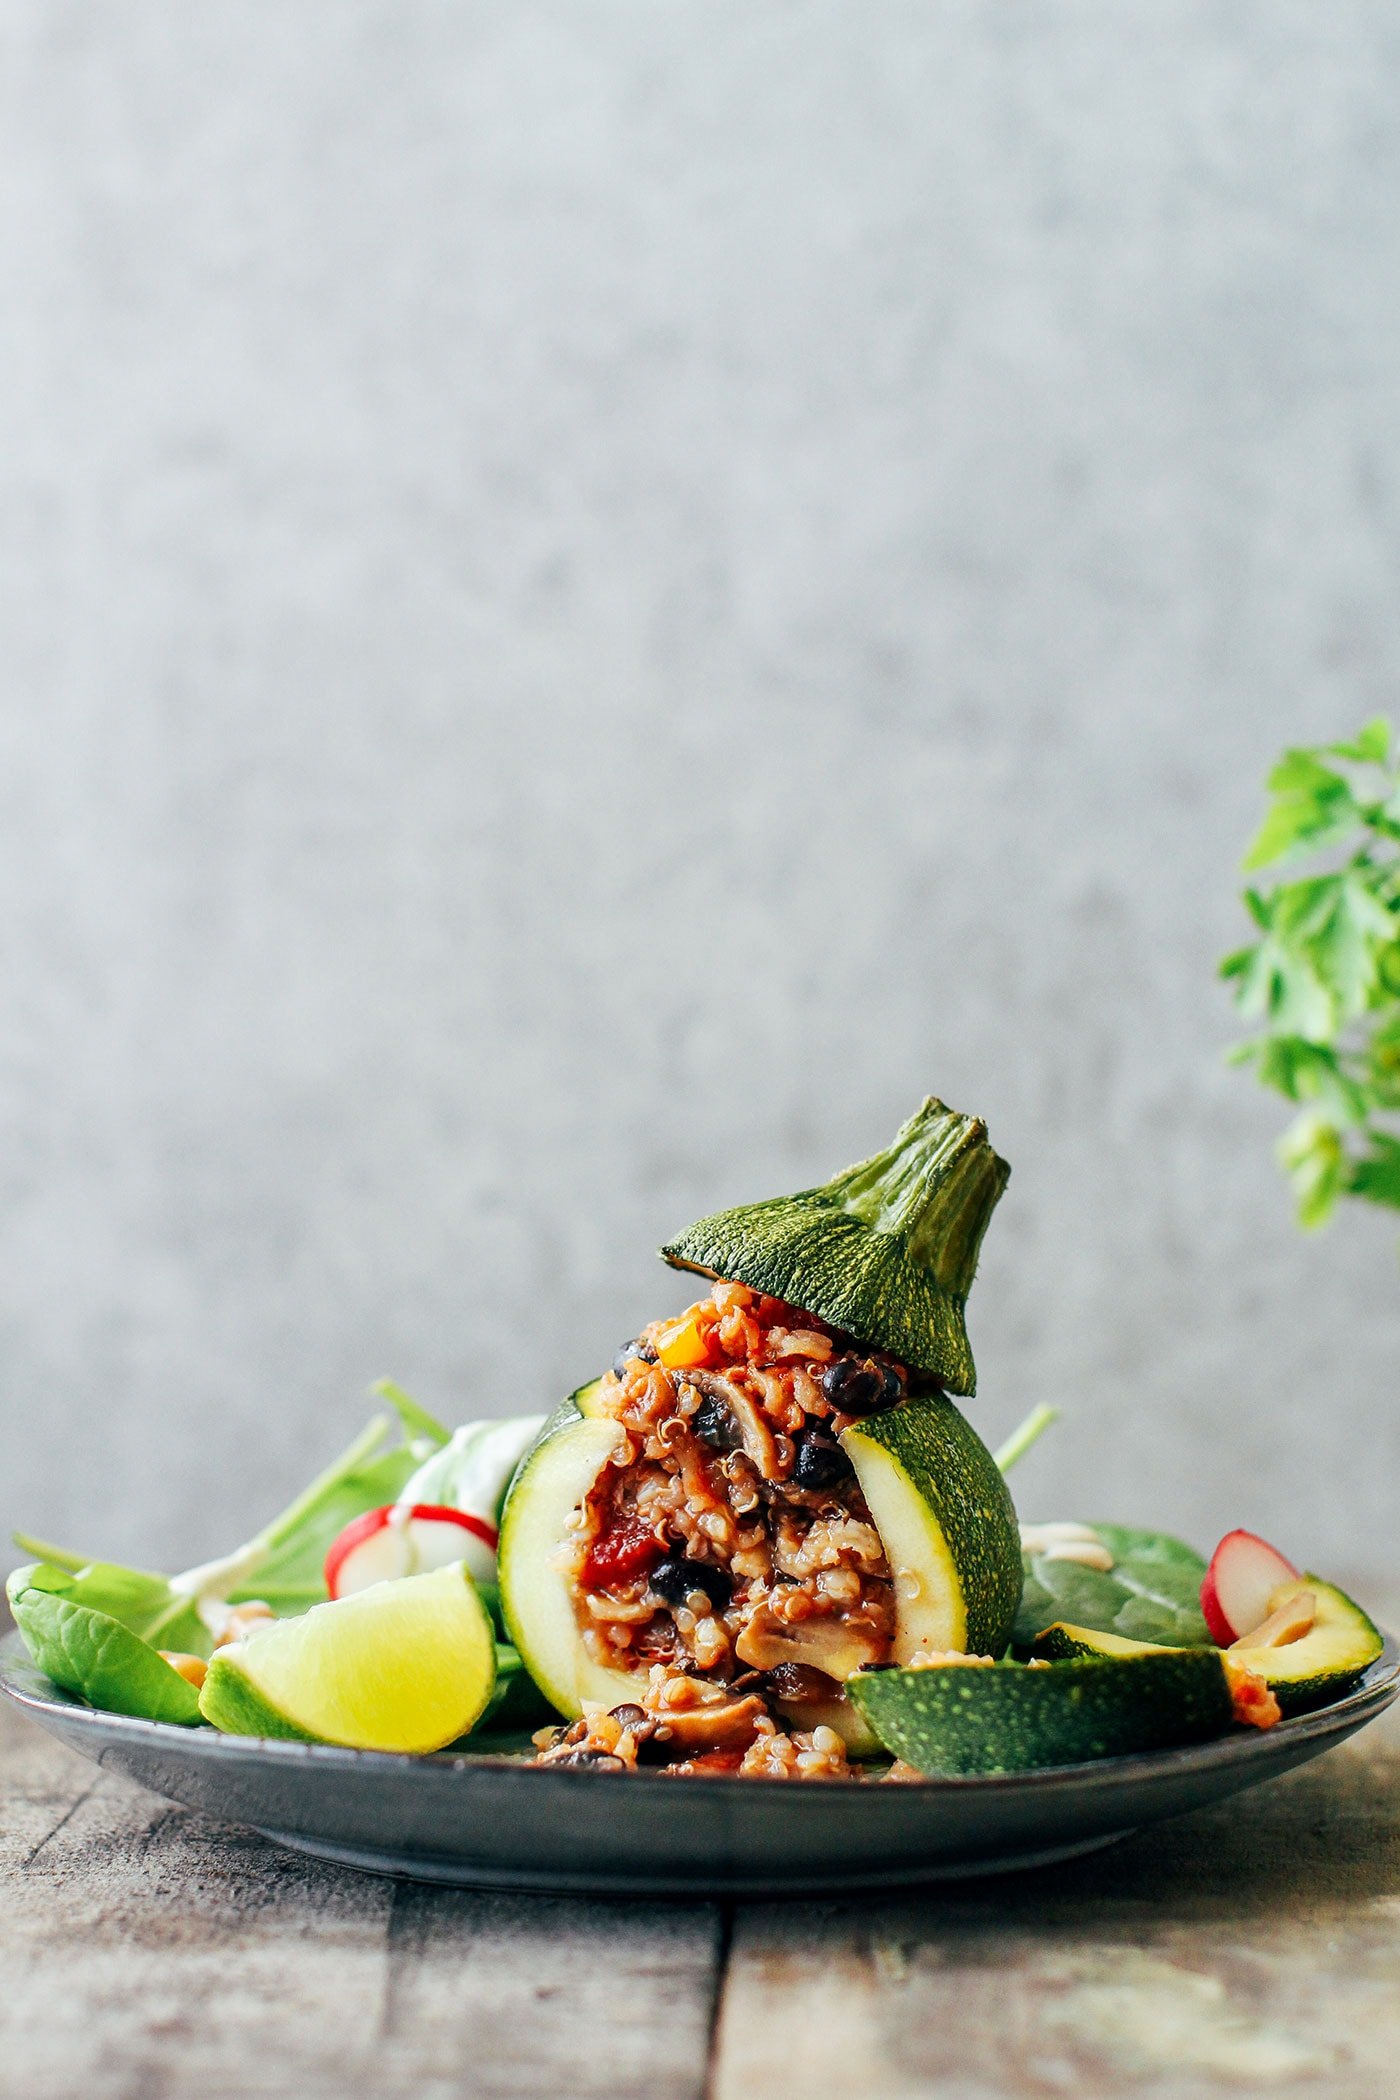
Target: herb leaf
<point>1370,745</point>
<point>1323,977</point>
<point>1312,805</point>
<point>1376,1175</point>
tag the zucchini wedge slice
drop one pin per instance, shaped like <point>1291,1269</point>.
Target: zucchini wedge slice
<point>1317,1666</point>
<point>1008,1718</point>
<point>1323,1662</point>
<point>948,1526</point>
<point>1064,1642</point>
<point>536,1599</point>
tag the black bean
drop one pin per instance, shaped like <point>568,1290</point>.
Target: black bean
<point>715,1425</point>
<point>640,1724</point>
<point>654,1749</point>
<point>820,1461</point>
<point>591,1760</point>
<point>674,1580</point>
<point>628,1352</point>
<point>862,1385</point>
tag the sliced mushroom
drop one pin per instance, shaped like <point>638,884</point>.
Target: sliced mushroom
<point>825,1644</point>
<point>760,1445</point>
<point>705,1727</point>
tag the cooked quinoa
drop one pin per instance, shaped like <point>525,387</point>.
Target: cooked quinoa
<point>728,1550</point>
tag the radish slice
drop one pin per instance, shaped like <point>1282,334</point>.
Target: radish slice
<point>408,1538</point>
<point>1243,1575</point>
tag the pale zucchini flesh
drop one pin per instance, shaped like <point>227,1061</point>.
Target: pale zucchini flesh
<point>948,1526</point>
<point>1319,1665</point>
<point>536,1594</point>
<point>1341,1643</point>
<point>930,1602</point>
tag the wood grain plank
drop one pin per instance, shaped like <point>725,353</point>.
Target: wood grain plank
<point>546,1996</point>
<point>151,1954</point>
<point>148,1952</point>
<point>40,1785</point>
<point>1254,1946</point>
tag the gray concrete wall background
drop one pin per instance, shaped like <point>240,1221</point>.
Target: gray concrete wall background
<point>596,597</point>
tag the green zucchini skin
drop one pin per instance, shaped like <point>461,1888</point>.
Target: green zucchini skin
<point>534,1604</point>
<point>1305,1673</point>
<point>810,1254</point>
<point>1064,1642</point>
<point>1323,1664</point>
<point>1006,1718</point>
<point>885,1251</point>
<point>966,1553</point>
<point>957,1479</point>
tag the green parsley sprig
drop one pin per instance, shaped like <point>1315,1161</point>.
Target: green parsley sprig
<point>1323,976</point>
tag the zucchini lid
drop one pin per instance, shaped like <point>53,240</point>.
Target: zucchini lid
<point>886,1251</point>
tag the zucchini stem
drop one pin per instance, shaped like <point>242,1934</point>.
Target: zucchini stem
<point>934,1190</point>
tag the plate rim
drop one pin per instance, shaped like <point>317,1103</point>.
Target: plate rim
<point>1377,1689</point>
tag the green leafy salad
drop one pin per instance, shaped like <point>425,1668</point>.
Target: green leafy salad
<point>767,1542</point>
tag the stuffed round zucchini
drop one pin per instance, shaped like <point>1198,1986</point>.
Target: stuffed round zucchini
<point>763,1496</point>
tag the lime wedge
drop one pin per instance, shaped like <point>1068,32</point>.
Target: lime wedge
<point>407,1665</point>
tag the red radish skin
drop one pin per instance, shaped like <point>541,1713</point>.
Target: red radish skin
<point>1244,1572</point>
<point>387,1543</point>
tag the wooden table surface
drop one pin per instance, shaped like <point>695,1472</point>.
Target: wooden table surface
<point>149,1954</point>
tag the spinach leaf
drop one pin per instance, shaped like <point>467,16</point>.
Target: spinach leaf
<point>422,1430</point>
<point>516,1703</point>
<point>1152,1592</point>
<point>142,1603</point>
<point>282,1564</point>
<point>286,1570</point>
<point>89,1652</point>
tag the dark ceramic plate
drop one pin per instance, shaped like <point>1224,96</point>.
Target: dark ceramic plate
<point>485,1821</point>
